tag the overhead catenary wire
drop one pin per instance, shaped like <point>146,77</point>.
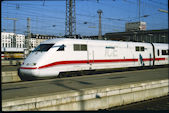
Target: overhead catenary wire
<point>95,17</point>
<point>91,17</point>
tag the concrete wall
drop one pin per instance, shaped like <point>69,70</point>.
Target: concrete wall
<point>90,98</point>
<point>10,76</point>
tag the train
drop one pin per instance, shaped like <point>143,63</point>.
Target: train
<point>12,55</point>
<point>55,56</point>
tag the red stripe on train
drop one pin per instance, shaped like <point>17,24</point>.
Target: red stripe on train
<point>159,58</point>
<point>86,61</point>
<point>28,67</point>
<point>151,59</point>
<point>90,61</point>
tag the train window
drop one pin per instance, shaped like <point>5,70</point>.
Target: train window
<point>165,52</point>
<point>76,47</point>
<point>142,48</point>
<point>158,52</point>
<point>43,47</point>
<point>80,47</point>
<point>84,47</point>
<point>61,48</point>
<point>137,48</point>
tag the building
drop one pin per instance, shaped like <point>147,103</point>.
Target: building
<point>6,39</point>
<point>151,36</point>
<point>135,26</point>
<point>36,39</point>
<point>14,41</point>
<point>14,45</point>
<point>33,43</point>
<point>20,41</point>
<point>11,40</point>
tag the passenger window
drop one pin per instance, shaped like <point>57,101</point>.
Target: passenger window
<point>137,48</point>
<point>142,48</point>
<point>84,47</point>
<point>80,47</point>
<point>165,52</point>
<point>76,47</point>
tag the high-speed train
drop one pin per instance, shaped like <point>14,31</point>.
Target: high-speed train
<point>58,55</point>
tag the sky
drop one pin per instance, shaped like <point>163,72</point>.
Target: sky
<point>48,16</point>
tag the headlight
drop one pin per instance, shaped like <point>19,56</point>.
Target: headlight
<point>34,64</point>
<point>31,64</point>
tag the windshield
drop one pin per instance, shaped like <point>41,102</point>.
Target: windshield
<point>60,47</point>
<point>43,47</point>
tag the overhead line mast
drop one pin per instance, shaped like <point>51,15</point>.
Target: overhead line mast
<point>70,24</point>
<point>100,28</point>
<point>139,10</point>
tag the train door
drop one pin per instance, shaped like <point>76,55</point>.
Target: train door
<point>153,54</point>
<point>90,57</point>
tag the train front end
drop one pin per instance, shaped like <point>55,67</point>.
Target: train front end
<point>32,67</point>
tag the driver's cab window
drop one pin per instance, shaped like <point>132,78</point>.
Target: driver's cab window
<point>61,48</point>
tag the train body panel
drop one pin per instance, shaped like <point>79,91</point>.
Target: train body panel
<point>161,52</point>
<point>60,55</point>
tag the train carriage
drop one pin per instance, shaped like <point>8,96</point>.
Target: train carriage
<point>12,53</point>
<point>54,56</point>
<point>161,52</point>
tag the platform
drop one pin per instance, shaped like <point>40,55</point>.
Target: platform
<point>86,92</point>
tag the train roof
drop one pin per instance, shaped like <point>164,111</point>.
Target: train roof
<point>96,41</point>
<point>161,45</point>
<point>82,40</point>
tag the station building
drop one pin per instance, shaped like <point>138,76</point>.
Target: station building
<point>151,36</point>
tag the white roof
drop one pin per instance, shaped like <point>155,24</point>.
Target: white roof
<point>88,40</point>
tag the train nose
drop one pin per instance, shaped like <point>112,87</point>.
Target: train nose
<point>28,74</point>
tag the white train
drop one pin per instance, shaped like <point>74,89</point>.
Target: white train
<point>58,55</point>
